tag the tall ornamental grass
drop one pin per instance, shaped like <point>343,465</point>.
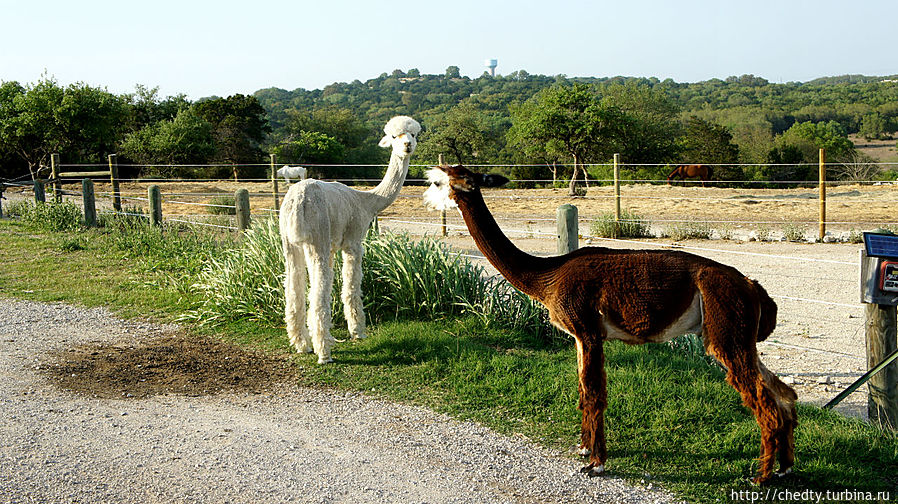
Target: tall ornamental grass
<point>402,279</point>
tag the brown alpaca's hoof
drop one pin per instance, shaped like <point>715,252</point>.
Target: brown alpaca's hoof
<point>593,470</point>
<point>761,480</point>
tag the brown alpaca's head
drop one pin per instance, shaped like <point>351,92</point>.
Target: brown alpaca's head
<point>448,183</point>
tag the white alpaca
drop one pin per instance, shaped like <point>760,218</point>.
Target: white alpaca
<point>317,219</point>
<point>292,172</point>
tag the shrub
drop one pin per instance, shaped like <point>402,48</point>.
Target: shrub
<point>794,232</point>
<point>687,230</point>
<point>17,208</point>
<point>51,216</point>
<point>224,205</point>
<point>403,279</point>
<point>764,232</point>
<point>631,225</point>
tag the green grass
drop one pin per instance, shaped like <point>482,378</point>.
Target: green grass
<point>671,419</point>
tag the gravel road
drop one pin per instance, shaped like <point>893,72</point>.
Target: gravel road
<point>288,444</point>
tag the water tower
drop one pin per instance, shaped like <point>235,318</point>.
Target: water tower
<point>491,64</point>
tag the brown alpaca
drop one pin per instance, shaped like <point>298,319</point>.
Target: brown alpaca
<point>684,172</point>
<point>596,294</point>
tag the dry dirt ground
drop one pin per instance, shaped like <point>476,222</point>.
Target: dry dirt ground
<point>98,409</point>
<point>848,206</point>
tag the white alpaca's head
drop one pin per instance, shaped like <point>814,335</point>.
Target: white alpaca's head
<point>448,182</point>
<point>401,133</point>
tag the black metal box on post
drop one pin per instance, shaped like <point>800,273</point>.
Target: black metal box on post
<point>879,291</point>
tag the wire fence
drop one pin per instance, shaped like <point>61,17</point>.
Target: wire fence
<point>795,309</point>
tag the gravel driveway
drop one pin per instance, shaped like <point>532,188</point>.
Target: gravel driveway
<point>287,444</point>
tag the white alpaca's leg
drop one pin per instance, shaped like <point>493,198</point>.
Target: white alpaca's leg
<point>353,307</point>
<point>321,276</point>
<point>295,298</point>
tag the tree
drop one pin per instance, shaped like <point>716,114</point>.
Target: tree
<point>79,122</point>
<point>147,108</point>
<point>239,126</point>
<point>186,139</point>
<point>709,143</point>
<point>452,72</point>
<point>569,120</point>
<point>649,133</point>
<point>810,137</point>
<point>464,133</point>
<point>706,142</point>
<point>310,147</point>
<point>90,119</point>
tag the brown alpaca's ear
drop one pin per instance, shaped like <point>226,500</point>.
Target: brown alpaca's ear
<point>492,180</point>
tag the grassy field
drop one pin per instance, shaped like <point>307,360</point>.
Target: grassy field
<point>671,419</point>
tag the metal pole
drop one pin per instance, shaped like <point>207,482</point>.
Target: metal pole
<point>113,177</point>
<point>822,231</point>
<point>443,227</point>
<point>616,195</point>
<point>274,181</point>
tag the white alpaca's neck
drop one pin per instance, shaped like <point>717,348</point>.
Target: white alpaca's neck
<point>388,190</point>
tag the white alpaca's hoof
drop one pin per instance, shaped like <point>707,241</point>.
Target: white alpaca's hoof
<point>325,360</point>
<point>592,470</point>
<point>360,335</point>
<point>303,348</point>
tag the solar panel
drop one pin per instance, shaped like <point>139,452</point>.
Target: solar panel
<point>881,245</point>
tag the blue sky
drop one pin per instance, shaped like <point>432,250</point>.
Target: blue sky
<point>221,48</point>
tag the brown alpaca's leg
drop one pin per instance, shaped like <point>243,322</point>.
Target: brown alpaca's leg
<point>593,400</point>
<point>744,376</point>
<point>785,398</point>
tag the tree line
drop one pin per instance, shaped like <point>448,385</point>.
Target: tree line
<point>561,124</point>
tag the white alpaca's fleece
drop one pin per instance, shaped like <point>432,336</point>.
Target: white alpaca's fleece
<point>318,218</point>
<point>292,172</point>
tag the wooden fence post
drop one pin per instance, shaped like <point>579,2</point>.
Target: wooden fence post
<point>154,195</point>
<point>822,230</point>
<point>57,184</point>
<point>40,195</point>
<point>241,198</point>
<point>89,202</point>
<point>113,176</point>
<point>443,228</point>
<point>2,188</point>
<point>274,181</point>
<point>568,233</point>
<point>882,340</point>
<point>616,233</point>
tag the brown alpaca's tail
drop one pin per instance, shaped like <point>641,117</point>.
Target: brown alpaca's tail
<point>767,321</point>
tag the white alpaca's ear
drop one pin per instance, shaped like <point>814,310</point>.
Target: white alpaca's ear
<point>386,141</point>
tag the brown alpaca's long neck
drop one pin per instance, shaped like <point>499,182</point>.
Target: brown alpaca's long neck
<point>526,272</point>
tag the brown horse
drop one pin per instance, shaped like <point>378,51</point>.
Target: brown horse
<point>686,171</point>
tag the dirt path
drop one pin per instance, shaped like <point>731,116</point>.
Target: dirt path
<point>234,438</point>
